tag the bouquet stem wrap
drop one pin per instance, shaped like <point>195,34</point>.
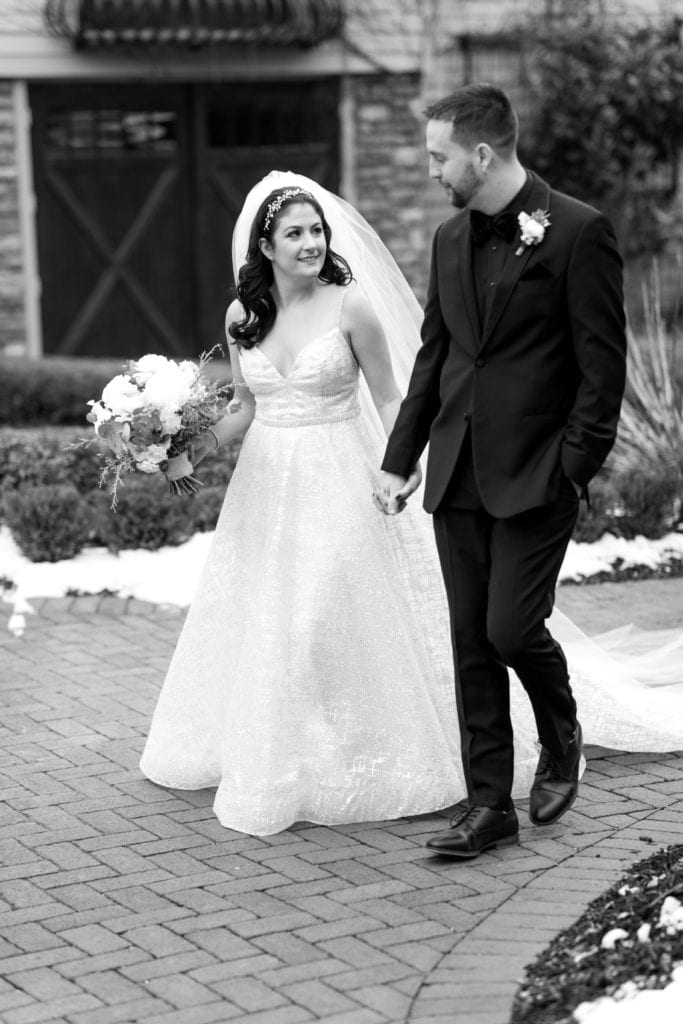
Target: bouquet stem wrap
<point>180,475</point>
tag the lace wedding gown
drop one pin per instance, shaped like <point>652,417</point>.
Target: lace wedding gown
<point>313,678</point>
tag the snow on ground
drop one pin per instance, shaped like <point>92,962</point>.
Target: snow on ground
<point>585,560</point>
<point>167,576</point>
<point>661,1005</point>
<point>170,575</point>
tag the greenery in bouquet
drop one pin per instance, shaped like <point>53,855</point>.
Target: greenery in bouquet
<point>149,415</point>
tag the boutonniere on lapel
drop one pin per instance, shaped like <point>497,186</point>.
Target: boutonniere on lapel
<point>533,227</point>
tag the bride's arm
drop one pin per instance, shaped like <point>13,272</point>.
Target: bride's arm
<point>236,420</point>
<point>369,345</point>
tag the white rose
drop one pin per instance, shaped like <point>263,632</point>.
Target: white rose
<point>188,369</point>
<point>168,390</point>
<point>122,396</point>
<point>534,230</point>
<point>148,365</point>
<point>101,413</point>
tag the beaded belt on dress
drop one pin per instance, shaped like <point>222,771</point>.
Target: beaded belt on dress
<point>306,421</point>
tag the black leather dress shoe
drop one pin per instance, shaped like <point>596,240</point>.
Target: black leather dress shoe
<point>556,783</point>
<point>476,829</point>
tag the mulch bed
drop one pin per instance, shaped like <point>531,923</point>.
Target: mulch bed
<point>671,569</point>
<point>575,969</point>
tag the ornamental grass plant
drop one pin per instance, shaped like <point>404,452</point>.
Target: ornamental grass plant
<point>650,435</point>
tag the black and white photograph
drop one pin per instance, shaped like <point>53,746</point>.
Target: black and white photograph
<point>341,511</point>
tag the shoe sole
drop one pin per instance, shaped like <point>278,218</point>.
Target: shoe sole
<point>506,841</point>
<point>551,821</point>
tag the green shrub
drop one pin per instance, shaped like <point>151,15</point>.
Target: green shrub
<point>39,455</point>
<point>49,521</point>
<point>602,516</point>
<point>34,461</point>
<point>605,118</point>
<point>651,499</point>
<point>147,516</point>
<point>205,508</point>
<point>55,389</point>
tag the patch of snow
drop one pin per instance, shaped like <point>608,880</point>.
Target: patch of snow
<point>170,575</point>
<point>585,560</point>
<point>633,1005</point>
<point>167,576</point>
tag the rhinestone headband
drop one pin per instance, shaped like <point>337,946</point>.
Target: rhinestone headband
<point>274,207</point>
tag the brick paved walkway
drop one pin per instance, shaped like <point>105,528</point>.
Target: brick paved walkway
<point>122,902</point>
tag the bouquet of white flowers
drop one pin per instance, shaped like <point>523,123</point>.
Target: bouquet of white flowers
<point>149,415</point>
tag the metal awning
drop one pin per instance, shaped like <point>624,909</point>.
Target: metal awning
<point>95,24</point>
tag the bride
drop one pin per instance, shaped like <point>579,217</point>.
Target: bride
<point>313,678</point>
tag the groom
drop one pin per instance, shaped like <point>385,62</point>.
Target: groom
<point>517,389</point>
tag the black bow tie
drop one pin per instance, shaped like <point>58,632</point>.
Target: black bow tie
<point>502,224</point>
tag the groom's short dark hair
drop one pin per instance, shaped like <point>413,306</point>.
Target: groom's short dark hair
<point>478,112</point>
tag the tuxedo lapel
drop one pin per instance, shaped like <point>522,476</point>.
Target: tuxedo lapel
<point>464,246</point>
<point>539,199</point>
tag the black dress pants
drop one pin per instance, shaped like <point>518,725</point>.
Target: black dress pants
<point>500,577</point>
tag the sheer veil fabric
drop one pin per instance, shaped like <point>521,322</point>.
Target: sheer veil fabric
<point>313,679</point>
<point>372,265</point>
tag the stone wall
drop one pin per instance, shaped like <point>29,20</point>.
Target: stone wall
<point>391,172</point>
<point>12,324</point>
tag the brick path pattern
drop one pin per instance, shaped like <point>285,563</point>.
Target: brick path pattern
<point>123,902</point>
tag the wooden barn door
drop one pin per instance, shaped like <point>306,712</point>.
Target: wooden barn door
<point>114,223</point>
<point>138,191</point>
<point>242,133</point>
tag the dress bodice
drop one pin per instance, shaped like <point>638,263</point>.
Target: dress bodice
<point>321,387</point>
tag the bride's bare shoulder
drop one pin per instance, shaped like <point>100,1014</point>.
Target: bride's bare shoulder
<point>357,313</point>
<point>234,313</point>
<point>355,301</point>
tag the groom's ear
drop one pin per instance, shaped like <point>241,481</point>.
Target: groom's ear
<point>484,155</point>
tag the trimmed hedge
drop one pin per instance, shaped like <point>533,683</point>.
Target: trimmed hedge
<point>647,502</point>
<point>48,521</point>
<point>35,462</point>
<point>644,502</point>
<point>56,389</point>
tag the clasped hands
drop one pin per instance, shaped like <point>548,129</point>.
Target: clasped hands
<point>392,491</point>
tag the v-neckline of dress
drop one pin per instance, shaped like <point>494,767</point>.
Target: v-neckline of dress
<point>313,341</point>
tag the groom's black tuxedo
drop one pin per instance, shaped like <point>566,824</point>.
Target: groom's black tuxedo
<point>539,383</point>
<point>517,390</point>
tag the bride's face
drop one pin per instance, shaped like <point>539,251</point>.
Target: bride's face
<point>297,246</point>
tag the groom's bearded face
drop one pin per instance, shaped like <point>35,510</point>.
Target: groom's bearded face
<point>451,164</point>
<point>462,191</point>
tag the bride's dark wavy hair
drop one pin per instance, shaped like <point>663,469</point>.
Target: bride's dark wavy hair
<point>256,273</point>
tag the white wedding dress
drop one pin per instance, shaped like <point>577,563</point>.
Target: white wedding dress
<point>306,684</point>
<point>313,679</point>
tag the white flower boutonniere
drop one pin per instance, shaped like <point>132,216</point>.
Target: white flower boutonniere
<point>533,227</point>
